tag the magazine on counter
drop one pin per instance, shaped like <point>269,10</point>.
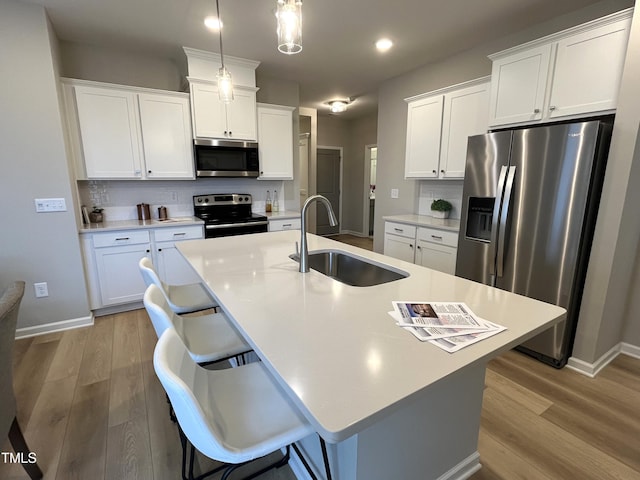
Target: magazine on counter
<point>449,325</point>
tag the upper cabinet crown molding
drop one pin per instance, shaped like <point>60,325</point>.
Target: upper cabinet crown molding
<point>203,65</point>
<point>554,37</point>
<point>569,74</point>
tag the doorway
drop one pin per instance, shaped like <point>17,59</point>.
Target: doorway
<point>328,176</point>
<point>369,200</point>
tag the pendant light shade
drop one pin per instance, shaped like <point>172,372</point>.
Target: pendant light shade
<point>225,83</point>
<point>289,17</point>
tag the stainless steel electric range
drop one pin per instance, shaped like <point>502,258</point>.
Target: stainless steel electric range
<point>227,214</point>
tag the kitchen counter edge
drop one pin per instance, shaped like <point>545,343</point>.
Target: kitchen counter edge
<point>138,224</point>
<point>425,221</point>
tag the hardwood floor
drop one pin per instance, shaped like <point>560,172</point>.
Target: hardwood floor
<point>91,407</point>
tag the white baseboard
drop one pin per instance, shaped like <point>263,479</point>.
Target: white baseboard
<point>631,350</point>
<point>592,369</point>
<point>54,327</point>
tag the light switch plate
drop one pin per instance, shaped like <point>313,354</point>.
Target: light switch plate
<point>50,205</point>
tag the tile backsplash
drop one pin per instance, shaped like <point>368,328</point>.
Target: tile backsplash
<point>119,198</point>
<point>450,190</point>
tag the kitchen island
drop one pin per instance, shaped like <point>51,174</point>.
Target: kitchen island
<point>389,405</point>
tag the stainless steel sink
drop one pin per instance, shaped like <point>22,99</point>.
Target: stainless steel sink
<point>351,269</point>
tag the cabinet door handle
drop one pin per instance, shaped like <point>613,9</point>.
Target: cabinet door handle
<point>552,108</point>
<point>179,234</point>
<point>436,237</point>
<point>398,229</point>
<point>411,245</point>
<point>148,250</point>
<point>441,171</point>
<point>419,247</point>
<point>537,110</point>
<point>159,249</point>
<point>286,225</point>
<point>121,239</point>
<point>435,171</point>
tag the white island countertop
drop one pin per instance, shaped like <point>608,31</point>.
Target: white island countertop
<point>333,347</point>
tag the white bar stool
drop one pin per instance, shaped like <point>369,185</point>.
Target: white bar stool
<point>182,299</point>
<point>233,416</point>
<point>208,338</point>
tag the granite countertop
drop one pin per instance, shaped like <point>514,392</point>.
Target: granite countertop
<point>333,347</point>
<point>137,224</point>
<point>452,224</point>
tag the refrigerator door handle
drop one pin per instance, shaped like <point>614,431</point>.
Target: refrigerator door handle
<point>504,215</point>
<point>496,214</point>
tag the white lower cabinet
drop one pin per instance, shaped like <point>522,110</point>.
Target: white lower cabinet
<point>284,224</point>
<point>170,264</point>
<point>436,249</point>
<point>400,241</point>
<point>111,260</point>
<point>429,247</point>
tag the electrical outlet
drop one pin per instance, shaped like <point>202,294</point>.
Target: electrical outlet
<point>394,193</point>
<point>173,197</point>
<point>41,289</point>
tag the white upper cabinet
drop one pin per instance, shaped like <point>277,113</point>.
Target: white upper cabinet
<point>275,142</point>
<point>109,132</point>
<point>166,136</point>
<point>424,129</point>
<point>438,124</point>
<point>212,118</point>
<point>566,75</point>
<point>119,132</point>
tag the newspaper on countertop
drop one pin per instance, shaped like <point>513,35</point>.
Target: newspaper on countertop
<point>449,325</point>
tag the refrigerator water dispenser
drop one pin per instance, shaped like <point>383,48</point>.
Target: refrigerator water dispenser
<point>479,218</point>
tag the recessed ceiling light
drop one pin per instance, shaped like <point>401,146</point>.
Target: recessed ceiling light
<point>384,44</point>
<point>212,23</point>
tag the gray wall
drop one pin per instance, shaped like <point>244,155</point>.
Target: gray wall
<point>116,66</point>
<point>608,288</point>
<point>352,135</point>
<point>609,279</point>
<point>35,247</point>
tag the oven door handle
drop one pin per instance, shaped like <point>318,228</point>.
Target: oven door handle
<point>244,224</point>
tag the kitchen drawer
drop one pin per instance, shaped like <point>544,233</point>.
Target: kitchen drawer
<point>125,237</point>
<point>400,229</point>
<point>284,224</point>
<point>178,233</point>
<point>434,235</point>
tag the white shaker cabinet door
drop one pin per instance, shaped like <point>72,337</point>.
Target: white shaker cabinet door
<point>588,69</point>
<point>119,274</point>
<point>209,113</point>
<point>437,257</point>
<point>275,142</point>
<point>109,131</point>
<point>466,113</point>
<point>241,115</point>
<point>424,129</point>
<point>172,266</point>
<point>518,84</point>
<point>166,133</point>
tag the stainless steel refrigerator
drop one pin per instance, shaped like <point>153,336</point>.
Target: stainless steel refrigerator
<point>529,207</point>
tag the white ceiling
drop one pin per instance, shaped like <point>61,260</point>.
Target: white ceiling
<point>338,57</point>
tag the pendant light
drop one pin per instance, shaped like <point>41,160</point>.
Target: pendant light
<point>225,84</point>
<point>289,17</point>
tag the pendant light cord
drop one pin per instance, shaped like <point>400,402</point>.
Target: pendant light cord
<point>220,23</point>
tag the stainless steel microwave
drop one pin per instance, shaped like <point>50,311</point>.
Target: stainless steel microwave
<point>225,158</point>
